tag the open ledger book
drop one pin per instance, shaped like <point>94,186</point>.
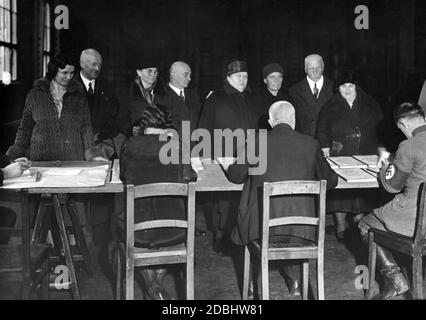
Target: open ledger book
<point>356,174</point>
<point>347,162</point>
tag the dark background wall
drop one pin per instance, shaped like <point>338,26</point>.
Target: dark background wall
<point>210,33</point>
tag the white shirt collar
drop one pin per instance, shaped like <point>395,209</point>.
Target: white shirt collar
<point>319,83</point>
<point>87,81</point>
<point>177,90</point>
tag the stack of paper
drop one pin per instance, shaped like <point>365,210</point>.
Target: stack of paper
<point>347,162</point>
<point>25,177</point>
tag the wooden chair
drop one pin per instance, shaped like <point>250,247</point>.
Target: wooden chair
<point>138,257</point>
<point>305,251</point>
<point>415,247</point>
<point>28,261</point>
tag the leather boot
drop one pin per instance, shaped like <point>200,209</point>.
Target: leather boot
<point>395,282</point>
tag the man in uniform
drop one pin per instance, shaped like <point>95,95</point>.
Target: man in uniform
<point>405,173</point>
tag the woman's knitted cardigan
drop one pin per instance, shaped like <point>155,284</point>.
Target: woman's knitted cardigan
<point>42,136</point>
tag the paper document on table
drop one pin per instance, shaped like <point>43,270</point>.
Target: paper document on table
<point>26,176</point>
<point>63,171</point>
<point>331,163</point>
<point>369,160</point>
<point>355,175</point>
<point>115,174</point>
<point>348,162</point>
<point>196,164</point>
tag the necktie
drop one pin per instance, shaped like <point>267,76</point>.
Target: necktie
<point>315,91</point>
<point>91,98</point>
<point>182,96</point>
<point>90,91</point>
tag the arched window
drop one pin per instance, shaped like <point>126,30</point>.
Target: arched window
<point>8,37</point>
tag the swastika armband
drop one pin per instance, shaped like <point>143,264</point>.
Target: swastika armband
<point>393,179</point>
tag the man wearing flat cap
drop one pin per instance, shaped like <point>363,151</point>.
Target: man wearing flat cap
<point>232,107</point>
<point>272,75</point>
<point>310,94</point>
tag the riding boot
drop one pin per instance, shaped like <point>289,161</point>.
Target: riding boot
<point>395,282</point>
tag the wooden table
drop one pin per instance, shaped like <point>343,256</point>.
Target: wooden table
<point>212,178</point>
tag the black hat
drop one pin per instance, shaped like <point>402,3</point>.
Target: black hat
<point>236,66</point>
<point>347,76</point>
<point>145,63</point>
<point>271,68</point>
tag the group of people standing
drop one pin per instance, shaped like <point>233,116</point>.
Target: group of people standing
<point>71,115</point>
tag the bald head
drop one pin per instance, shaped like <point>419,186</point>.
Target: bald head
<point>282,112</point>
<point>180,74</point>
<point>91,63</point>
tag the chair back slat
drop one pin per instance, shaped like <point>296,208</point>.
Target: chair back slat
<point>161,189</point>
<point>295,187</point>
<point>293,220</point>
<point>161,224</point>
<point>420,232</point>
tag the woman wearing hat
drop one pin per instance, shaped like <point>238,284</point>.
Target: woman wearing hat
<point>272,75</point>
<point>140,164</point>
<point>144,90</point>
<point>347,126</point>
<point>232,107</point>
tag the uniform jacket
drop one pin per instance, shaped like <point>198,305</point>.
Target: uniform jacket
<point>304,162</point>
<point>42,136</point>
<point>104,116</point>
<point>307,107</point>
<point>349,131</point>
<point>404,176</point>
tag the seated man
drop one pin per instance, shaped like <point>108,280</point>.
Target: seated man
<point>9,170</point>
<point>406,172</point>
<point>290,156</point>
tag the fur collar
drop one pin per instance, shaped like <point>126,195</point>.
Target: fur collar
<point>73,87</point>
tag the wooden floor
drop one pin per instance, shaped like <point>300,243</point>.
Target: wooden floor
<point>217,277</point>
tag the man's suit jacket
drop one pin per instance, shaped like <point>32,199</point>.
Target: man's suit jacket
<point>105,110</point>
<point>307,107</point>
<point>188,110</point>
<point>304,162</point>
